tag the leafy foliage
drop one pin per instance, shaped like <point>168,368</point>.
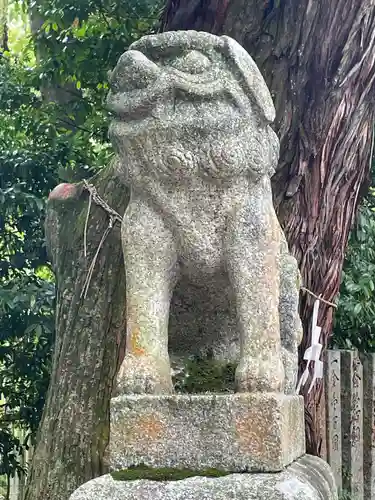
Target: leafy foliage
<point>10,447</point>
<point>53,128</point>
<point>27,163</point>
<point>355,318</point>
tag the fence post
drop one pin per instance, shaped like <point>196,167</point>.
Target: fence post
<point>368,361</point>
<point>346,421</point>
<point>333,416</point>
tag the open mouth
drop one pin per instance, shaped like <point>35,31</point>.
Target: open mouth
<point>171,96</point>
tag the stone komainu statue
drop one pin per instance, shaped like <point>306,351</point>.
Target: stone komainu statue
<point>207,264</point>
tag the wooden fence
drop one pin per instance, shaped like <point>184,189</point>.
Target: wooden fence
<point>350,393</point>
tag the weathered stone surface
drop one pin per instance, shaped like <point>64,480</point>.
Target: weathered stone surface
<point>192,128</point>
<point>237,432</point>
<point>334,413</point>
<point>310,478</point>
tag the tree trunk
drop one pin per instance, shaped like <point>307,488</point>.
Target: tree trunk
<point>89,340</point>
<point>318,59</point>
<point>89,343</point>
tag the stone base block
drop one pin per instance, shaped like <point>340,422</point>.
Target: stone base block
<point>232,432</point>
<point>309,478</point>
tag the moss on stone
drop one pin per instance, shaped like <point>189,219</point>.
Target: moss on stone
<point>206,375</point>
<point>163,474</point>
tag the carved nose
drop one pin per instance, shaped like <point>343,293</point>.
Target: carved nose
<point>133,71</point>
<point>194,62</point>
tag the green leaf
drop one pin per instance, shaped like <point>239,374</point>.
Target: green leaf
<point>357,308</point>
<point>81,31</point>
<point>38,331</point>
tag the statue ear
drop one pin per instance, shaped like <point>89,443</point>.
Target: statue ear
<point>250,77</point>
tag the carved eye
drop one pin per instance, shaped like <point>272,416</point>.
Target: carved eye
<point>193,62</point>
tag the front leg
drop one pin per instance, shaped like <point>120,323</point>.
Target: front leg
<point>290,322</point>
<point>253,247</point>
<point>150,266</point>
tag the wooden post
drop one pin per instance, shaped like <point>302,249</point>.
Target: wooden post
<point>368,361</point>
<point>334,409</point>
<point>352,424</point>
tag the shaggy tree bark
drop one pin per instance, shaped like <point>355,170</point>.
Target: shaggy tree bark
<point>89,340</point>
<point>318,59</point>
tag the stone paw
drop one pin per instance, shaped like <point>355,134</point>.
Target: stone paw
<point>290,362</point>
<point>260,375</point>
<point>144,375</point>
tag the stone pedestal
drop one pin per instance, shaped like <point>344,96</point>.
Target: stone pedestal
<point>309,478</point>
<point>233,432</point>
